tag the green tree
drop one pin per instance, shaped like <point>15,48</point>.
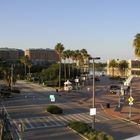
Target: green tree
<point>29,65</point>
<point>68,55</point>
<point>50,73</point>
<point>24,60</point>
<point>136,45</point>
<point>64,57</point>
<point>123,65</point>
<point>113,64</point>
<point>59,48</point>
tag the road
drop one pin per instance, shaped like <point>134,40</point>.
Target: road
<point>56,133</point>
<point>29,109</point>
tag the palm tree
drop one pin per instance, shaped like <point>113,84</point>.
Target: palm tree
<point>24,60</point>
<point>73,58</point>
<point>113,64</point>
<point>68,56</point>
<point>136,45</point>
<point>29,65</point>
<point>123,65</point>
<point>59,48</point>
<point>64,57</point>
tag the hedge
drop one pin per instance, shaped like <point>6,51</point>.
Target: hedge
<point>87,131</point>
<point>53,109</point>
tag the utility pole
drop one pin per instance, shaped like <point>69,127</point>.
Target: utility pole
<point>93,110</point>
<point>12,76</point>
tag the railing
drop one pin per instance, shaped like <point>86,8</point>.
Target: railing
<point>10,131</point>
<point>128,81</point>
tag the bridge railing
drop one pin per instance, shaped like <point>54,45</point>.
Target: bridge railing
<point>10,131</point>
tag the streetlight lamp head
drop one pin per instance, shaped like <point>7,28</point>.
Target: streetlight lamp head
<point>97,58</point>
<point>94,58</point>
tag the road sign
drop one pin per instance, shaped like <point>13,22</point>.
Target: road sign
<point>130,103</point>
<point>92,111</point>
<point>131,99</point>
<point>52,98</point>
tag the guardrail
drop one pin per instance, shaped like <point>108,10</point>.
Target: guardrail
<point>1,130</point>
<point>10,131</point>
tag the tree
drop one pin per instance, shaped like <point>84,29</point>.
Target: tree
<point>68,55</point>
<point>136,45</point>
<point>24,61</point>
<point>59,48</point>
<point>123,65</point>
<point>113,64</point>
<point>9,76</point>
<point>64,57</point>
<point>27,63</point>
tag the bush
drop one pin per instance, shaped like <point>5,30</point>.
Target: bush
<point>88,132</point>
<point>15,90</point>
<point>79,127</point>
<point>90,135</point>
<point>54,109</point>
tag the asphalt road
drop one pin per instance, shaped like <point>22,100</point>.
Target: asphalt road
<point>29,109</point>
<point>58,133</point>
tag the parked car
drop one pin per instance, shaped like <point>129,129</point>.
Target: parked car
<point>97,78</point>
<point>114,89</point>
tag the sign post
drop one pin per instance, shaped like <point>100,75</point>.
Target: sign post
<point>52,98</point>
<point>130,99</point>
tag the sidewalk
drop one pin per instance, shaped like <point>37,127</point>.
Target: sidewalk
<point>125,113</point>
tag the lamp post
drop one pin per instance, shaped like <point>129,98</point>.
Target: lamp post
<point>93,103</point>
<point>12,76</point>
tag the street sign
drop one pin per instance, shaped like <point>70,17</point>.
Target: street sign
<point>131,99</point>
<point>52,98</point>
<point>92,111</point>
<point>130,103</point>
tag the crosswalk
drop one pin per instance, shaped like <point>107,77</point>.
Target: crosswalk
<point>56,120</point>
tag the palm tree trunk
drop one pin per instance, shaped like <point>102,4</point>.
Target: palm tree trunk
<point>60,74</point>
<point>65,71</point>
<point>25,70</point>
<point>69,69</point>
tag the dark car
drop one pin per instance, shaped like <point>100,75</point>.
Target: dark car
<point>114,89</point>
<point>97,78</point>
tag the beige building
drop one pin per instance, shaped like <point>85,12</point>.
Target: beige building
<point>132,70</point>
<point>42,56</point>
<point>11,54</point>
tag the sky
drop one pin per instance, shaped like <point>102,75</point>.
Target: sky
<point>105,28</point>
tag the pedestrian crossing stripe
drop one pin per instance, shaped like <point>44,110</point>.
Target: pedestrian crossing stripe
<point>54,121</point>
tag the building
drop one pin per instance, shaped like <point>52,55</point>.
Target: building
<point>42,56</point>
<point>134,67</point>
<point>11,54</point>
<point>132,70</point>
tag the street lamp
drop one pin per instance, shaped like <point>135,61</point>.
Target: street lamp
<point>93,103</point>
<point>12,76</point>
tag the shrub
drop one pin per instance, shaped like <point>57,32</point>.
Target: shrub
<point>53,109</point>
<point>79,127</point>
<point>15,90</point>
<point>109,137</point>
<point>88,132</point>
<point>91,135</point>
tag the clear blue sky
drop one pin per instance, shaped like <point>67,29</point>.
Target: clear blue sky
<point>106,28</point>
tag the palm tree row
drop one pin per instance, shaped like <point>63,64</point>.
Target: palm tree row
<point>121,66</point>
<point>27,63</point>
<point>136,45</point>
<point>77,58</point>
